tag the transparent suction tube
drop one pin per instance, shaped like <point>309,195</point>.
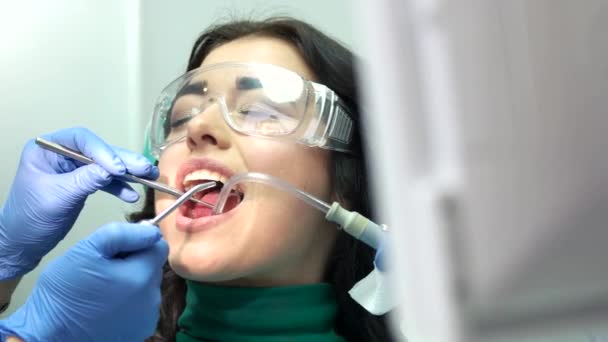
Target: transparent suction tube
<point>255,177</point>
<point>351,222</point>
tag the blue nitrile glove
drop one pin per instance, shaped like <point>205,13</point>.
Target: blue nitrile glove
<point>49,192</point>
<point>91,294</point>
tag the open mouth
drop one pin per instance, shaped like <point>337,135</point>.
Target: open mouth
<point>195,210</point>
<point>192,216</point>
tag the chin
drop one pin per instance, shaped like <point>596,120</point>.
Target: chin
<point>200,271</point>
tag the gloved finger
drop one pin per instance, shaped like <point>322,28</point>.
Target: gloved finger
<point>89,178</point>
<point>156,256</point>
<point>121,190</point>
<point>92,146</point>
<point>137,164</point>
<point>152,258</point>
<point>115,238</point>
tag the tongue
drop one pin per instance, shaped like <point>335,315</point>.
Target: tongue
<point>211,196</point>
<point>200,210</point>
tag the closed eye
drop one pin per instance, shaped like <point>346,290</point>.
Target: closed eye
<point>180,121</point>
<point>259,109</point>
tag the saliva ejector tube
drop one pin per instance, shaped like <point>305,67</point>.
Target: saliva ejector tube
<point>353,223</point>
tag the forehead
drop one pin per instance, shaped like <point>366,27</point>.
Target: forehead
<point>261,49</point>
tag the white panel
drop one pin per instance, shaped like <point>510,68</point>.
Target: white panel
<point>499,109</point>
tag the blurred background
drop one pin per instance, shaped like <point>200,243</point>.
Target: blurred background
<point>101,64</point>
<point>490,164</point>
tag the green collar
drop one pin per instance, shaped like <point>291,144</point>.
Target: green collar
<point>236,314</point>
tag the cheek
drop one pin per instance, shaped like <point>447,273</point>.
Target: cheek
<point>167,169</point>
<point>304,167</point>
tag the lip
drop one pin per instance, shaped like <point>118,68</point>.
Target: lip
<point>188,225</point>
<point>200,164</point>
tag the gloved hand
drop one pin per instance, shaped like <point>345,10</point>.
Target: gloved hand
<point>49,192</point>
<point>91,294</point>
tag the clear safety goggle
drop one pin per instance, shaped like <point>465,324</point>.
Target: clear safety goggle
<point>254,99</point>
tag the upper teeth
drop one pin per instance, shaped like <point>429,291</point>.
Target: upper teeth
<point>202,175</point>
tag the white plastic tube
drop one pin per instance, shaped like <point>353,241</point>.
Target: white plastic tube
<point>353,223</point>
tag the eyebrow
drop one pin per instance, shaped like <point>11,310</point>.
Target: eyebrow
<point>200,88</point>
<point>248,83</point>
<point>197,88</point>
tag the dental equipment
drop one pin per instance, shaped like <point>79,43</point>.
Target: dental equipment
<point>67,152</point>
<point>351,222</point>
<point>183,198</point>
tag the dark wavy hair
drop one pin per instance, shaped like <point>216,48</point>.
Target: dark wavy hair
<point>350,260</point>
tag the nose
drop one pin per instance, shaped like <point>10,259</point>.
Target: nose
<point>208,130</point>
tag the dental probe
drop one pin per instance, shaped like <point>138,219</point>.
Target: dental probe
<point>183,198</point>
<point>67,152</point>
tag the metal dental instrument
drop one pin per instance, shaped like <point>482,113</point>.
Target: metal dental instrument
<point>67,152</point>
<point>183,198</point>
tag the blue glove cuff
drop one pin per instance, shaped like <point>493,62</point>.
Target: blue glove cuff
<point>17,325</point>
<point>6,330</point>
<point>13,265</point>
<point>4,334</point>
<point>8,273</point>
<point>12,261</point>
